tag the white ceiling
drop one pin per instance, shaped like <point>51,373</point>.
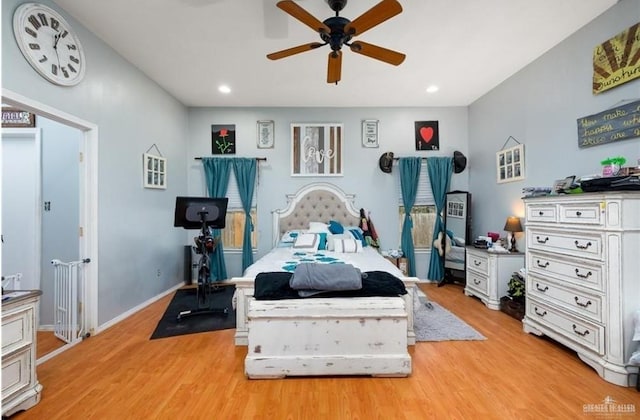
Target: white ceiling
<point>466,47</point>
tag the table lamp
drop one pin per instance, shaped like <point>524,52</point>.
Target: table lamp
<point>513,225</point>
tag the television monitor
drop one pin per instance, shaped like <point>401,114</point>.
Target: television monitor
<point>189,212</point>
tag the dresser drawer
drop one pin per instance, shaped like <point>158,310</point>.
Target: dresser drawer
<point>477,282</point>
<point>477,263</point>
<point>580,302</point>
<point>574,270</point>
<point>587,334</point>
<point>571,243</point>
<point>541,213</point>
<point>17,329</point>
<point>16,373</point>
<point>582,214</point>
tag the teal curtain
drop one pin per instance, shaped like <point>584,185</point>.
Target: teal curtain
<point>217,171</point>
<point>245,172</point>
<point>440,170</point>
<point>409,177</point>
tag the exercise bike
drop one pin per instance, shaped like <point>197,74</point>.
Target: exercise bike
<point>205,213</point>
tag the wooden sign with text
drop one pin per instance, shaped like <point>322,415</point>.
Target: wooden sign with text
<point>617,60</point>
<point>619,123</point>
<point>13,117</point>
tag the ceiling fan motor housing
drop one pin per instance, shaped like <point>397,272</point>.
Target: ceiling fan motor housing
<point>336,38</point>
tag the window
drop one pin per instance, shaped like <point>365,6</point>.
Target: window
<point>233,233</point>
<point>423,212</point>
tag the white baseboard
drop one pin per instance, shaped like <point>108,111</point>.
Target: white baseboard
<point>135,309</point>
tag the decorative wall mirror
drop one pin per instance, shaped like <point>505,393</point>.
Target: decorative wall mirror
<point>457,222</point>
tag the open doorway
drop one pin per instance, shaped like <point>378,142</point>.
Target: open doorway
<point>83,242</point>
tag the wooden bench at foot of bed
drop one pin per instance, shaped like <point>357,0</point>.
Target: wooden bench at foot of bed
<point>327,336</point>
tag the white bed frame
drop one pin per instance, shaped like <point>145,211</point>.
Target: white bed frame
<point>388,321</point>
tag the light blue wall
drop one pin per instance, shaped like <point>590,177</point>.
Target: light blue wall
<point>539,106</point>
<point>136,233</point>
<point>374,189</point>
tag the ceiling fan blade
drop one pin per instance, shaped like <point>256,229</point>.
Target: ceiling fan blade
<point>334,69</point>
<point>294,50</point>
<point>303,16</point>
<point>379,53</point>
<point>382,11</point>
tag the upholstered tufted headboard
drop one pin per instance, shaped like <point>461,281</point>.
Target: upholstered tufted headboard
<point>316,202</point>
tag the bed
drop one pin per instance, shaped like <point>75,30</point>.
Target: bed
<point>356,330</point>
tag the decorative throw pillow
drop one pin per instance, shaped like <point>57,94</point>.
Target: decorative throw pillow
<point>318,227</point>
<point>335,227</point>
<point>307,241</point>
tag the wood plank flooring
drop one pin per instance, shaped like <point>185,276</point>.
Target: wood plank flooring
<point>121,374</point>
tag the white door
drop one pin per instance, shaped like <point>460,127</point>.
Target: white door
<point>21,191</point>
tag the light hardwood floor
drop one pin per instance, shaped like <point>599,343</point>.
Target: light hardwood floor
<point>121,374</point>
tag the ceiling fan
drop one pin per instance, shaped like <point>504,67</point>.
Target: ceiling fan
<point>338,31</point>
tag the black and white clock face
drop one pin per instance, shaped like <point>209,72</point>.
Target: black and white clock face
<point>49,44</point>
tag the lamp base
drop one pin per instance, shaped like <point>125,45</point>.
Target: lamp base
<point>513,244</point>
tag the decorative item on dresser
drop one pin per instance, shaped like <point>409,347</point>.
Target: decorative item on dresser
<point>582,276</point>
<point>488,274</point>
<point>20,387</point>
<point>513,225</point>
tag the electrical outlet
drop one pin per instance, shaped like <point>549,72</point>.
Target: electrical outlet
<point>158,273</point>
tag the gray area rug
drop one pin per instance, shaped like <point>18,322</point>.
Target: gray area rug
<point>434,323</point>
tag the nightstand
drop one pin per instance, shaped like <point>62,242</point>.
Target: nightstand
<point>488,274</point>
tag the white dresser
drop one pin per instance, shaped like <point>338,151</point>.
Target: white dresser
<point>20,387</point>
<point>488,274</point>
<point>583,276</point>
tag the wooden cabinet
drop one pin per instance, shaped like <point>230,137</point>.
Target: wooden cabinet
<point>488,274</point>
<point>583,260</point>
<point>20,387</point>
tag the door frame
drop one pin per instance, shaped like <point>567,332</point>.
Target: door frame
<point>88,197</point>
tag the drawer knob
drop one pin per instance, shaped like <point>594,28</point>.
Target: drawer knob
<point>541,289</point>
<point>542,241</point>
<point>580,333</point>
<point>543,313</point>
<point>476,282</point>
<point>540,213</point>
<point>583,276</point>
<point>584,305</point>
<point>585,246</point>
<point>578,213</point>
<point>477,263</point>
<point>545,265</point>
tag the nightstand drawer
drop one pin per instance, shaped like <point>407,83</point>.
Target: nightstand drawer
<point>17,329</point>
<point>477,282</point>
<point>477,263</point>
<point>581,303</point>
<point>16,373</point>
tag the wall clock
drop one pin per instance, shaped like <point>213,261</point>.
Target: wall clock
<point>49,44</point>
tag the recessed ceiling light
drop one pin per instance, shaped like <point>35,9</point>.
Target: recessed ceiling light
<point>224,89</point>
<point>432,89</point>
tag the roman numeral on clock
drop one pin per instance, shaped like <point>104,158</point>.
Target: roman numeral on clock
<point>43,19</point>
<point>64,71</point>
<point>75,60</point>
<point>43,59</point>
<point>54,69</point>
<point>31,32</point>
<point>55,24</point>
<point>34,46</point>
<point>72,47</point>
<point>71,68</point>
<point>34,21</point>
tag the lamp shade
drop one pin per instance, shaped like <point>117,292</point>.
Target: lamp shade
<point>513,224</point>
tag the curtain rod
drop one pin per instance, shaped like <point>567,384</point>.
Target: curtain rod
<point>421,157</point>
<point>258,158</point>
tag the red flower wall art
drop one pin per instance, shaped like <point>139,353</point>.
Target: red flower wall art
<point>223,139</point>
<point>427,136</point>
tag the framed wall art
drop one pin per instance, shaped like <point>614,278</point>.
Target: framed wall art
<point>223,139</point>
<point>510,164</point>
<point>13,117</point>
<point>154,173</point>
<point>316,149</point>
<point>370,133</point>
<point>266,134</point>
<point>427,135</point>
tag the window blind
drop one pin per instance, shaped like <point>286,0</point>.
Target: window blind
<point>424,195</point>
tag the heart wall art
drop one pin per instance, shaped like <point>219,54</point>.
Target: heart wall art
<point>427,137</point>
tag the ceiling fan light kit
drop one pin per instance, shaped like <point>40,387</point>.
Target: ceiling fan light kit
<point>337,31</point>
